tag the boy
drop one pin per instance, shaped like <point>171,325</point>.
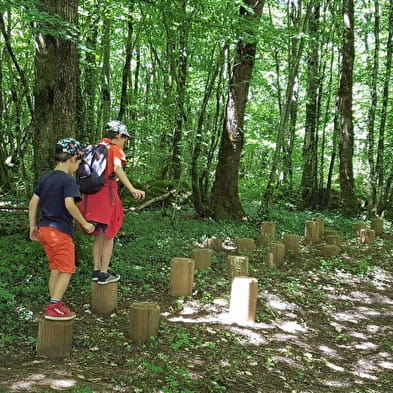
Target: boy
<point>104,208</point>
<point>55,195</point>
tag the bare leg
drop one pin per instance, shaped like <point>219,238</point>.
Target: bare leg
<point>102,252</point>
<point>58,283</point>
<point>54,275</point>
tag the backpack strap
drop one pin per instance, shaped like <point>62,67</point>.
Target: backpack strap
<point>112,175</point>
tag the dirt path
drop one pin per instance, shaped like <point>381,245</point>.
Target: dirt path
<point>318,331</point>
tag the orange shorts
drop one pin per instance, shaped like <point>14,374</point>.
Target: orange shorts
<point>59,249</point>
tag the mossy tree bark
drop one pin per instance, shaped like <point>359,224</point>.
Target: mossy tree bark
<point>225,200</point>
<point>56,72</point>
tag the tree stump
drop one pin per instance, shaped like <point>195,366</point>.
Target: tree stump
<point>202,258</point>
<point>143,321</point>
<point>103,298</point>
<point>268,231</point>
<point>358,227</point>
<point>215,244</point>
<point>245,245</point>
<point>367,236</point>
<point>311,232</point>
<point>54,338</point>
<point>320,227</point>
<point>237,265</point>
<point>270,259</point>
<point>330,250</point>
<point>243,301</point>
<point>291,243</point>
<point>277,251</point>
<point>377,225</point>
<point>181,278</point>
<point>333,237</point>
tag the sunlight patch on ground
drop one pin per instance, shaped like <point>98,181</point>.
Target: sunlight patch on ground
<point>330,352</point>
<point>290,362</point>
<point>291,327</point>
<point>276,303</point>
<point>381,279</point>
<point>35,380</point>
<point>366,346</point>
<point>336,384</point>
<point>334,367</point>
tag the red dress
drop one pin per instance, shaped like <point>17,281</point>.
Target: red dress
<point>105,206</point>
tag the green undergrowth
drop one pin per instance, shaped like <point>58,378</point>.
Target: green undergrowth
<point>150,239</point>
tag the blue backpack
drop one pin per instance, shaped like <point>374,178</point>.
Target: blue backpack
<point>90,175</point>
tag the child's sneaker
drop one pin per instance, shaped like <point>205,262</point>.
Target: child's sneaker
<point>96,274</point>
<point>58,312</point>
<point>105,278</point>
<point>63,306</point>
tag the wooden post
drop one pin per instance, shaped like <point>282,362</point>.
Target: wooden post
<point>278,252</point>
<point>270,259</point>
<point>237,266</point>
<point>291,243</point>
<point>245,245</point>
<point>311,232</point>
<point>143,321</point>
<point>268,231</point>
<point>358,227</point>
<point>202,258</point>
<point>333,237</point>
<point>367,236</point>
<point>54,338</point>
<point>330,250</point>
<point>377,225</point>
<point>215,244</point>
<point>181,278</point>
<point>320,227</point>
<point>243,301</point>
<point>103,298</point>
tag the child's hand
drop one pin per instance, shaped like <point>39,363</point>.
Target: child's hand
<point>138,194</point>
<point>89,227</point>
<point>34,234</point>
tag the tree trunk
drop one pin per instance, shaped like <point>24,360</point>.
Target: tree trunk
<point>127,66</point>
<point>309,183</point>
<point>346,133</point>
<point>381,192</point>
<point>225,200</point>
<point>55,89</point>
<point>373,67</point>
<point>106,92</point>
<point>91,130</point>
<point>199,171</point>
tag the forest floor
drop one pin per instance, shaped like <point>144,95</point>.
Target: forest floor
<point>324,330</point>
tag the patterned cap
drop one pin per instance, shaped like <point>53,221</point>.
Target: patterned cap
<point>117,127</point>
<point>70,146</point>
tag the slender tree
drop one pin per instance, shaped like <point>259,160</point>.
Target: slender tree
<point>309,183</point>
<point>106,69</point>
<point>294,63</point>
<point>382,185</point>
<point>346,131</point>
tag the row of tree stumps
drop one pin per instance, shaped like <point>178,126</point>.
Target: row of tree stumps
<point>55,337</point>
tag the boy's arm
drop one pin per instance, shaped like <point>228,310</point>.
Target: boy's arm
<point>138,194</point>
<point>33,212</point>
<point>77,215</point>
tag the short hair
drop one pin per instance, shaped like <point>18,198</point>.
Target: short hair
<point>59,156</point>
<point>110,134</point>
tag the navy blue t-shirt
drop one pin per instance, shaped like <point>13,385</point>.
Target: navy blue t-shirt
<point>52,188</point>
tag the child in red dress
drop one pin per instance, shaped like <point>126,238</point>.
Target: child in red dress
<point>104,208</point>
